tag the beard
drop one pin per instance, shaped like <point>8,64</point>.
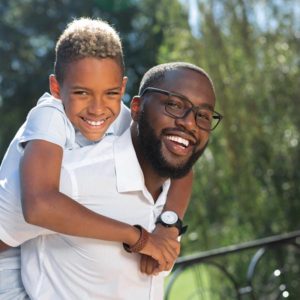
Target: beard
<point>151,148</point>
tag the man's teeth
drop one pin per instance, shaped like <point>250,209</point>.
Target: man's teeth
<point>179,140</point>
<point>95,123</point>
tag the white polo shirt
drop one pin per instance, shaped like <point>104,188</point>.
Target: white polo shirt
<point>106,178</point>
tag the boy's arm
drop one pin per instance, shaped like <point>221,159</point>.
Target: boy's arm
<point>3,246</point>
<point>45,206</point>
<point>178,200</point>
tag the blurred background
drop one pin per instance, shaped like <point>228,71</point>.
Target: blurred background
<point>247,184</point>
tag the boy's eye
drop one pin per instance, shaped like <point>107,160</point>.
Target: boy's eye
<point>80,93</point>
<point>113,93</point>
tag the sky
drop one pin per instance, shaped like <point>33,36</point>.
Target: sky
<point>262,13</point>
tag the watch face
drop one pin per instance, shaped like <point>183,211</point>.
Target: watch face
<point>169,217</point>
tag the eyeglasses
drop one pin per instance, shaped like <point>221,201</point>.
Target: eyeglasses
<point>178,106</point>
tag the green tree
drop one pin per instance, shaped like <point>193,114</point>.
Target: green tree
<point>28,39</point>
<point>247,184</point>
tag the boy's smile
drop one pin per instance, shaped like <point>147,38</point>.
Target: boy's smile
<point>91,93</point>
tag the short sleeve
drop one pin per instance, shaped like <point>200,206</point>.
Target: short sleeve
<point>47,121</point>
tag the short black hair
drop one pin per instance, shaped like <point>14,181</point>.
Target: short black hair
<point>153,76</point>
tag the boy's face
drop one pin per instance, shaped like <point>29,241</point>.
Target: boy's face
<point>91,93</point>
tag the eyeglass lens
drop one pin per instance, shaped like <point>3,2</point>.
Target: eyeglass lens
<point>179,108</point>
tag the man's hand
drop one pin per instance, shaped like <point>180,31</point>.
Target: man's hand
<point>164,259</point>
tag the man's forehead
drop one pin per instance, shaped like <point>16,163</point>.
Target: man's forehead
<point>188,83</point>
<point>183,78</point>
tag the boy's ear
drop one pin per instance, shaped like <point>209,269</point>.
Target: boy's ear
<point>135,107</point>
<point>124,83</point>
<point>54,86</point>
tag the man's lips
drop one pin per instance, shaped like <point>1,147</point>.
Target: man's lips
<point>181,136</point>
<point>179,140</point>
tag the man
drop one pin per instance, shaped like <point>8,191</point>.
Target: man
<point>172,120</point>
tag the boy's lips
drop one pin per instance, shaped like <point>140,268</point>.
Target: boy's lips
<point>95,123</point>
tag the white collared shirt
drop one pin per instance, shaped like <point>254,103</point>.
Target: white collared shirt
<point>107,179</point>
<point>46,121</point>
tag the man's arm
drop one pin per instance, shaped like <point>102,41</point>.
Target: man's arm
<point>178,200</point>
<point>179,195</point>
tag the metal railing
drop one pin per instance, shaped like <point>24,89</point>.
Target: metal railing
<point>264,269</point>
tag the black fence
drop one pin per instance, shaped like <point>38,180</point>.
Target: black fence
<point>265,269</point>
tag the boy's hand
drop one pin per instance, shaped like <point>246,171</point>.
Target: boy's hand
<point>149,265</point>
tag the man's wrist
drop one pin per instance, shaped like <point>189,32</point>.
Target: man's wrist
<point>170,231</point>
<point>170,219</point>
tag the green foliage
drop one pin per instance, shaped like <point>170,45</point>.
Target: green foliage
<point>246,185</point>
<point>28,38</point>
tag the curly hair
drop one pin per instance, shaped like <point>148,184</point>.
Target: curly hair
<point>86,37</point>
<point>153,76</point>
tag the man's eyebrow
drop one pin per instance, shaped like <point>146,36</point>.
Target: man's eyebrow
<point>204,105</point>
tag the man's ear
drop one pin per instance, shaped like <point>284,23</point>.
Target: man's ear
<point>54,86</point>
<point>135,107</point>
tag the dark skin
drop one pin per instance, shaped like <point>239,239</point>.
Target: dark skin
<point>198,89</point>
<point>45,206</point>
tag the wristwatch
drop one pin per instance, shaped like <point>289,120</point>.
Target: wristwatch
<point>170,218</point>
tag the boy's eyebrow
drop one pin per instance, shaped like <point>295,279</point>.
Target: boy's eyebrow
<point>78,87</point>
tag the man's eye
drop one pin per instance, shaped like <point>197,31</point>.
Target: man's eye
<point>174,105</point>
<point>204,115</point>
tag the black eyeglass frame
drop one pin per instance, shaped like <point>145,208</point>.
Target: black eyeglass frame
<point>193,108</point>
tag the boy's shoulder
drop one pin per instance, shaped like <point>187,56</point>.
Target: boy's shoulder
<point>48,121</point>
<point>47,100</point>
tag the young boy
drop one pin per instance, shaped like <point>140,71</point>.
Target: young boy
<point>90,83</point>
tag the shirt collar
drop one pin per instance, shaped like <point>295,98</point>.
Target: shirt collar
<point>129,174</point>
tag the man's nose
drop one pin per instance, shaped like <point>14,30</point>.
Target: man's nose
<point>188,121</point>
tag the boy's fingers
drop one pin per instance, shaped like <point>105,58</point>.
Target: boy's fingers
<point>148,264</point>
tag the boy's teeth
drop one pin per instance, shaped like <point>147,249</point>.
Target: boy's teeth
<point>95,123</point>
<point>179,140</point>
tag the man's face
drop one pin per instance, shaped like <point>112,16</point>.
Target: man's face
<point>91,94</point>
<point>173,145</point>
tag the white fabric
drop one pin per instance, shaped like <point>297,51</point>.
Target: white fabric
<point>107,179</point>
<point>46,121</point>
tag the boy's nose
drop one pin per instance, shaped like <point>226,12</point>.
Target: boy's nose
<point>96,106</point>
